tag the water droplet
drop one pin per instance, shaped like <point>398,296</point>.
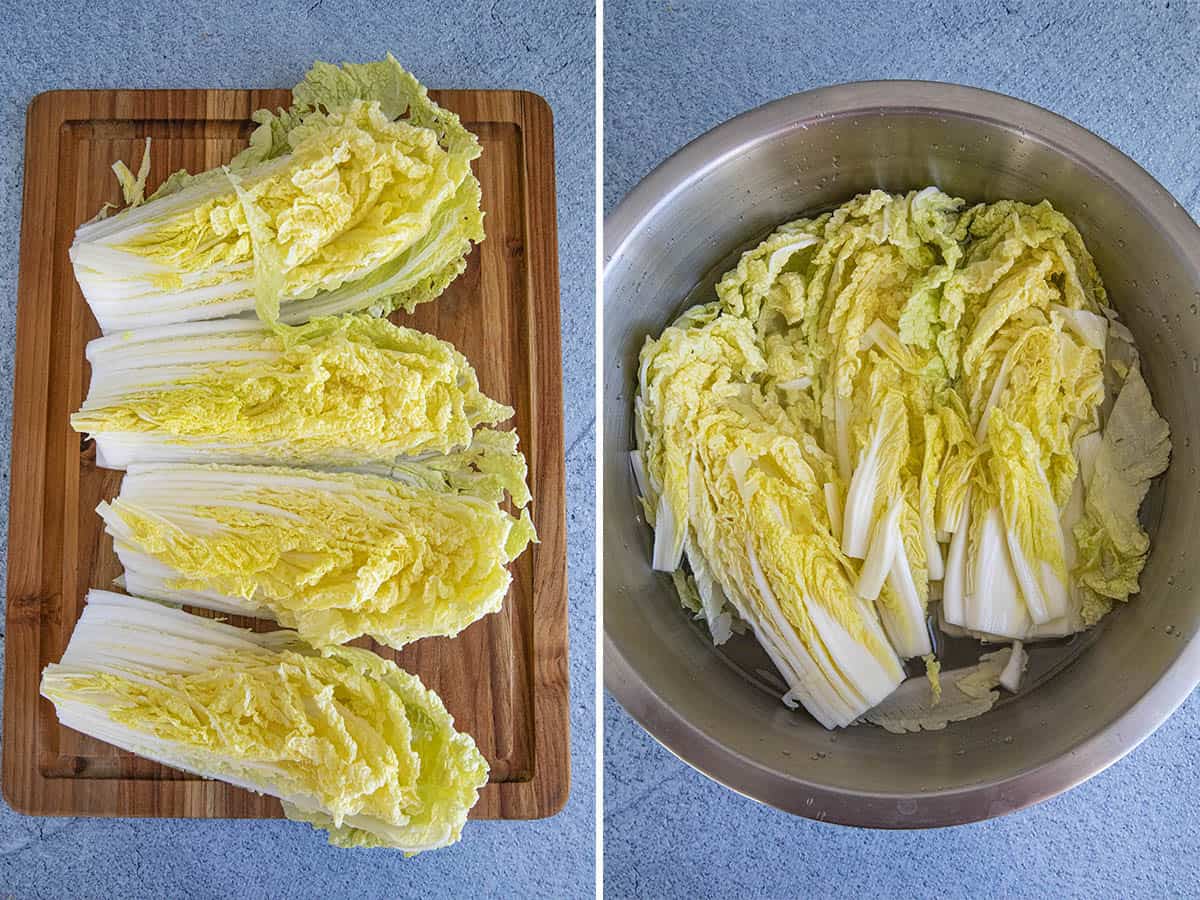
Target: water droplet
<point>1009,739</point>
<point>1170,578</point>
<point>1120,242</point>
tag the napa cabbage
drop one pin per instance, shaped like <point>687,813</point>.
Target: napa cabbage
<point>347,740</point>
<point>359,196</point>
<point>338,390</point>
<point>743,494</point>
<point>335,555</point>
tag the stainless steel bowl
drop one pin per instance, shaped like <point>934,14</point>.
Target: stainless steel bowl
<point>678,229</point>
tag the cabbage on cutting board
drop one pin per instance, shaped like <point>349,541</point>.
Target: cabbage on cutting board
<point>359,196</point>
<point>292,455</point>
<point>335,555</point>
<point>348,741</point>
<point>344,390</point>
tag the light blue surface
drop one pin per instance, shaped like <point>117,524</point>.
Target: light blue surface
<point>1128,72</point>
<point>545,47</point>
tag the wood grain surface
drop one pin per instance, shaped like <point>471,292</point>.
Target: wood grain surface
<point>504,679</point>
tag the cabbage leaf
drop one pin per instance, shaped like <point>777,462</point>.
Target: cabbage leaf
<point>930,704</point>
<point>1112,545</point>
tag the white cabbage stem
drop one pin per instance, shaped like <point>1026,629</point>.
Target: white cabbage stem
<point>878,562</point>
<point>906,625</point>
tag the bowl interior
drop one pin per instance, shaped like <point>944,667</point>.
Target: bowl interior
<point>720,710</point>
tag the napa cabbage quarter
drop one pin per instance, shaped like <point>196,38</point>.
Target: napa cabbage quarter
<point>347,740</point>
<point>338,390</point>
<point>335,555</point>
<point>360,196</point>
<point>903,399</point>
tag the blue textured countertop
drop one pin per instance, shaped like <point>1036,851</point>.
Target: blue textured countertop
<point>543,46</point>
<point>1128,72</point>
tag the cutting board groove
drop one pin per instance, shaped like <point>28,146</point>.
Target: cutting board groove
<point>504,679</point>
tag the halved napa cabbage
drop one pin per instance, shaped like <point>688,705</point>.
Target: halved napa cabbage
<point>333,555</point>
<point>347,740</point>
<point>338,391</point>
<point>745,497</point>
<point>358,197</point>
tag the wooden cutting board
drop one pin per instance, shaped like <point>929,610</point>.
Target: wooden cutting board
<point>504,679</point>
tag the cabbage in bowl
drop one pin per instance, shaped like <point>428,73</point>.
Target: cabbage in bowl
<point>903,411</point>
